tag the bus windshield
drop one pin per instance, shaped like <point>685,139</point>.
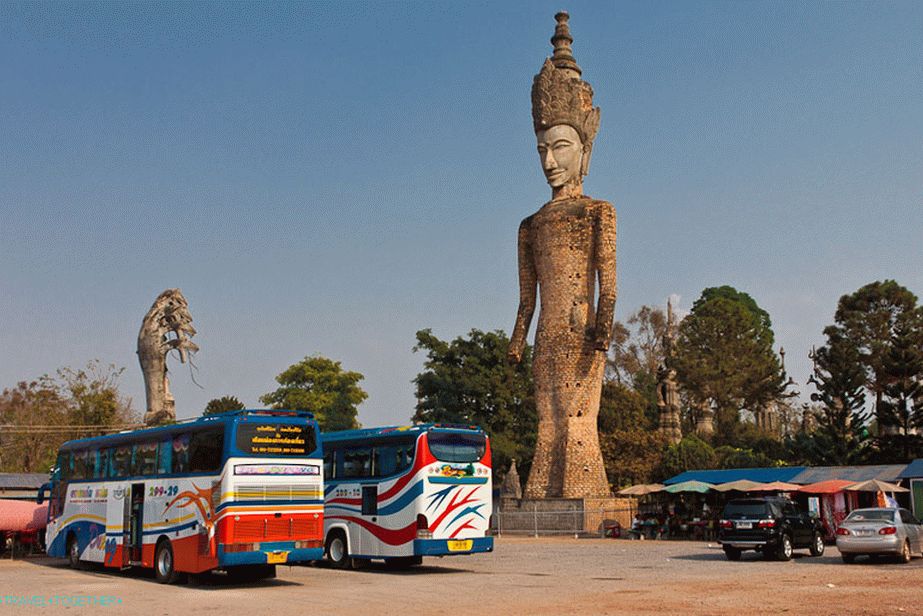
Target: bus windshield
<point>457,447</point>
<point>275,439</point>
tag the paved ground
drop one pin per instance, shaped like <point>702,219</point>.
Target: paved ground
<point>523,576</point>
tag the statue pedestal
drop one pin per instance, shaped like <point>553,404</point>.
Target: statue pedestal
<point>562,516</point>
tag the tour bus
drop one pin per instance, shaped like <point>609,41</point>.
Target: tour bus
<point>401,493</point>
<point>240,491</point>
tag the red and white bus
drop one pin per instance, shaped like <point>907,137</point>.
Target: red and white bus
<point>239,491</point>
<point>401,493</point>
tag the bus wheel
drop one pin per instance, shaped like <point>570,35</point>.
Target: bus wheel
<point>164,565</point>
<point>73,552</point>
<point>337,553</point>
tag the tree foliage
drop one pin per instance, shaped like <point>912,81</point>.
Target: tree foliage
<point>468,380</point>
<point>321,386</point>
<point>223,405</point>
<point>690,453</point>
<point>724,355</point>
<point>43,413</point>
<point>636,353</point>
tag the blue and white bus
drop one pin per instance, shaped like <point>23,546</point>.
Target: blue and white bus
<point>401,493</point>
<point>239,491</point>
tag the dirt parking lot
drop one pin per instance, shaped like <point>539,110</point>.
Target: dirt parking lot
<point>523,576</point>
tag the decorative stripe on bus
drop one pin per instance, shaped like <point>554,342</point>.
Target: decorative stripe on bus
<point>397,536</point>
<point>458,480</point>
<point>269,504</point>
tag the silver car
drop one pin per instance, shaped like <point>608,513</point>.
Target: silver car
<point>880,531</point>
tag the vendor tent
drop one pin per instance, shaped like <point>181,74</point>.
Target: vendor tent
<point>689,486</point>
<point>777,486</point>
<point>831,486</point>
<point>875,485</point>
<point>641,489</point>
<point>741,485</point>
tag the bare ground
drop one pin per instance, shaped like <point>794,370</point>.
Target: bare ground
<point>523,576</point>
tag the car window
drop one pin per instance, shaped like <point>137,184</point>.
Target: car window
<point>865,515</point>
<point>789,509</point>
<point>744,509</point>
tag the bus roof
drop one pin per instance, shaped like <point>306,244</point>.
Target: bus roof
<point>416,429</point>
<point>193,423</point>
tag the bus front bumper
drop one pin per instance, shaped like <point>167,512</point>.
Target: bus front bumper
<point>271,553</point>
<point>452,547</point>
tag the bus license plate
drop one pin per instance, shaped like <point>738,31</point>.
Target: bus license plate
<point>460,545</point>
<point>274,558</point>
<point>745,525</point>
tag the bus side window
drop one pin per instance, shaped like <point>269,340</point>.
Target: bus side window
<point>404,456</point>
<point>329,464</point>
<point>164,459</point>
<point>181,453</point>
<point>205,449</point>
<point>64,465</point>
<point>357,462</point>
<point>121,461</point>
<point>80,464</point>
<point>145,460</point>
<point>96,456</point>
<point>385,461</point>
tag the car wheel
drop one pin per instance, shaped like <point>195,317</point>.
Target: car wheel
<point>164,564</point>
<point>785,548</point>
<point>817,545</point>
<point>732,553</point>
<point>904,556</point>
<point>337,553</point>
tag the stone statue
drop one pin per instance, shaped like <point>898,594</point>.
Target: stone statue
<point>166,327</point>
<point>667,389</point>
<point>565,249</point>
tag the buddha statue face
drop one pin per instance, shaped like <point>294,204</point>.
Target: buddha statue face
<point>561,152</point>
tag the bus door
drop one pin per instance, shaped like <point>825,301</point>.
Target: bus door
<point>134,525</point>
<point>369,512</point>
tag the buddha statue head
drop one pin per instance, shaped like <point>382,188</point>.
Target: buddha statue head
<point>563,116</point>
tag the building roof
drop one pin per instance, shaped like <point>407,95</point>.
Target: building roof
<point>815,474</point>
<point>914,469</point>
<point>13,481</point>
<point>760,475</point>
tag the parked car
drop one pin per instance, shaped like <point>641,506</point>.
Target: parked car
<point>882,530</point>
<point>774,526</point>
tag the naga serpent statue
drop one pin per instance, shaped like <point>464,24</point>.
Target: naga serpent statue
<point>166,327</point>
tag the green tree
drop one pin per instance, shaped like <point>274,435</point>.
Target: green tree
<point>691,453</point>
<point>867,319</point>
<point>223,405</point>
<point>901,410</point>
<point>631,448</point>
<point>93,396</point>
<point>40,415</point>
<point>321,386</point>
<point>636,352</point>
<point>724,355</point>
<point>841,417</point>
<point>469,381</point>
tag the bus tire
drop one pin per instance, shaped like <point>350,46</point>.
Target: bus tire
<point>73,552</point>
<point>337,550</point>
<point>164,563</point>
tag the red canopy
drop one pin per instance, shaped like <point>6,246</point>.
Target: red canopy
<point>826,487</point>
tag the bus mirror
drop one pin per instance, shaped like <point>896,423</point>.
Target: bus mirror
<point>41,493</point>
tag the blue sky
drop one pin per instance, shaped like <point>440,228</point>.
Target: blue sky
<point>331,178</point>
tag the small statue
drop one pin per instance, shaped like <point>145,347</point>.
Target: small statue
<point>564,250</point>
<point>667,389</point>
<point>166,327</point>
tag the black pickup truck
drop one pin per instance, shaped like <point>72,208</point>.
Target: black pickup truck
<point>774,526</point>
